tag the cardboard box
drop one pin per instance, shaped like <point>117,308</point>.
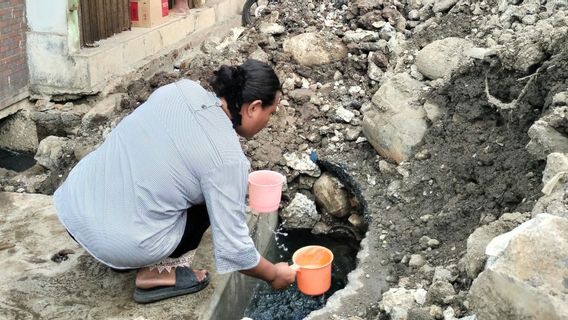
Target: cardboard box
<point>148,13</point>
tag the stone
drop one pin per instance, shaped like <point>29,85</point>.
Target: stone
<point>443,5</point>
<point>545,139</point>
<point>259,55</point>
<point>351,134</point>
<point>439,291</point>
<point>50,151</point>
<point>449,314</point>
<point>416,260</point>
<point>530,56</point>
<point>301,95</point>
<point>302,164</point>
<point>321,228</point>
<point>441,58</point>
<point>526,276</point>
<point>19,133</point>
<point>300,213</point>
<point>397,122</point>
<point>474,259</point>
<point>556,163</point>
<point>442,274</point>
<point>433,111</point>
<point>387,32</point>
<point>436,312</point>
<point>413,15</point>
<point>271,28</point>
<point>397,301</point>
<point>102,111</point>
<point>360,35</point>
<point>356,220</point>
<point>555,187</point>
<point>331,196</point>
<point>480,53</point>
<point>561,98</point>
<point>344,115</point>
<point>312,49</point>
<point>374,72</point>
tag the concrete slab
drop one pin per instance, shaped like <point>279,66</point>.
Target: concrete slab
<point>35,287</point>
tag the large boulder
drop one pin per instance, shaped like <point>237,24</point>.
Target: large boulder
<point>332,196</point>
<point>19,133</point>
<point>301,213</point>
<point>441,58</point>
<point>397,122</point>
<point>313,48</point>
<point>527,275</point>
<point>474,259</point>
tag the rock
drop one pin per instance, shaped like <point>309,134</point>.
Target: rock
<point>301,213</point>
<point>545,139</point>
<point>306,182</point>
<point>526,275</point>
<point>344,114</point>
<point>321,228</point>
<point>397,301</point>
<point>530,56</point>
<point>271,28</point>
<point>416,260</point>
<point>443,5</point>
<point>555,187</point>
<point>449,314</point>
<point>355,220</point>
<point>387,32</point>
<point>561,98</point>
<point>332,196</point>
<point>433,111</point>
<point>480,53</point>
<point>436,312</point>
<point>360,35</point>
<point>475,258</point>
<point>50,151</point>
<point>311,49</point>
<point>441,58</point>
<point>302,164</point>
<point>18,133</point>
<point>397,122</point>
<point>301,95</point>
<point>422,155</point>
<point>439,291</point>
<point>259,55</point>
<point>442,274</point>
<point>102,111</point>
<point>351,134</point>
<point>419,314</point>
<point>413,15</point>
<point>374,72</point>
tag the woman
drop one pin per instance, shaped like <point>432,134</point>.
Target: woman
<point>170,169</point>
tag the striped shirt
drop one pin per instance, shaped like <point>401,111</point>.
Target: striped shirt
<point>126,201</point>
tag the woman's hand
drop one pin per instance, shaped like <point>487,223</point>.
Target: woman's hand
<point>285,276</point>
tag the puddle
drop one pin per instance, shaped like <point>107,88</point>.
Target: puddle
<point>15,161</point>
<point>291,304</point>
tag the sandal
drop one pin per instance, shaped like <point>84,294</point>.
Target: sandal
<point>186,283</point>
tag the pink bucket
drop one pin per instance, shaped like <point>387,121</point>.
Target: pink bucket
<point>265,190</point>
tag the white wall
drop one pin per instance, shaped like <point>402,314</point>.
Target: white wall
<point>47,16</point>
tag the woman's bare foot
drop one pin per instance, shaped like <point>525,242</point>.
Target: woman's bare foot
<point>146,279</point>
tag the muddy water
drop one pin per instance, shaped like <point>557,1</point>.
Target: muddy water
<point>15,161</point>
<point>291,304</point>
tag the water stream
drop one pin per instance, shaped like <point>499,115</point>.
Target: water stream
<point>291,304</point>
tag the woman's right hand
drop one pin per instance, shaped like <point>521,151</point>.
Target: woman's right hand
<point>285,276</point>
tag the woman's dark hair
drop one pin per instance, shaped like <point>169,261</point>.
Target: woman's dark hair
<point>253,80</point>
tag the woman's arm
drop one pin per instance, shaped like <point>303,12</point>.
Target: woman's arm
<point>279,275</point>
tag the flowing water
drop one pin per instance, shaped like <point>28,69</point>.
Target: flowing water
<point>291,304</point>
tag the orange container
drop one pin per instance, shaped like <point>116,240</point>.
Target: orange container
<point>313,266</point>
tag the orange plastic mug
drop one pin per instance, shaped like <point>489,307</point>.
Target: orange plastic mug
<point>313,266</point>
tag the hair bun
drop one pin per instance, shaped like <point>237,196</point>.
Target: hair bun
<point>239,76</point>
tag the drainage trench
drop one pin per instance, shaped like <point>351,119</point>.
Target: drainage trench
<point>277,241</point>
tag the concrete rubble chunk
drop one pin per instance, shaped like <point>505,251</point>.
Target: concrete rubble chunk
<point>545,139</point>
<point>398,301</point>
<point>271,28</point>
<point>301,213</point>
<point>443,5</point>
<point>102,111</point>
<point>397,122</point>
<point>344,115</point>
<point>312,49</point>
<point>360,35</point>
<point>416,260</point>
<point>526,275</point>
<point>50,151</point>
<point>441,58</point>
<point>474,259</point>
<point>439,291</point>
<point>555,188</point>
<point>19,133</point>
<point>331,195</point>
<point>302,164</point>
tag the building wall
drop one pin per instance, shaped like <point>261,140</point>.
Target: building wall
<point>13,63</point>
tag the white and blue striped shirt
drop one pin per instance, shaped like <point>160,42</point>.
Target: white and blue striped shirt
<point>126,201</point>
